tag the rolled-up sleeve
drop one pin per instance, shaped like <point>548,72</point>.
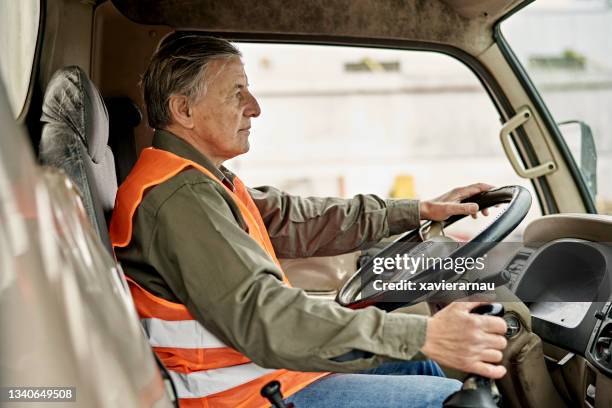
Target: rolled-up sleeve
<point>233,288</point>
<point>303,227</point>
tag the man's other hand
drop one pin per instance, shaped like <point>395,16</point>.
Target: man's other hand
<point>465,341</point>
<point>440,208</point>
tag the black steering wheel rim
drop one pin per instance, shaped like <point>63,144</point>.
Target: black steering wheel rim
<point>519,200</point>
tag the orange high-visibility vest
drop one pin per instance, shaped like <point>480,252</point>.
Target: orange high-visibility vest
<point>206,372</point>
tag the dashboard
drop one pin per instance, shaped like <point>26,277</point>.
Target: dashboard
<point>563,273</point>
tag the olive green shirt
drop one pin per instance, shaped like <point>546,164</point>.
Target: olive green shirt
<point>190,245</point>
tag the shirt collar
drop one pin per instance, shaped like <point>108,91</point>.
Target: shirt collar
<point>164,140</point>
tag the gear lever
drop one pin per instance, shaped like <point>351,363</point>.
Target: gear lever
<point>272,391</point>
<point>478,391</point>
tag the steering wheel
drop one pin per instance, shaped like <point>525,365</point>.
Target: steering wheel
<point>425,241</point>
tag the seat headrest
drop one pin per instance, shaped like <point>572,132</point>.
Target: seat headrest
<point>71,98</point>
<point>124,111</point>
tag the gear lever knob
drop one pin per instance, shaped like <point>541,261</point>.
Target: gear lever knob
<point>478,391</point>
<point>490,309</point>
<point>272,391</point>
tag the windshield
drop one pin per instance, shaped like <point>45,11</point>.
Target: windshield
<point>565,47</point>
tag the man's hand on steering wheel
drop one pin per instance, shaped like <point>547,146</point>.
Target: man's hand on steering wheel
<point>465,341</point>
<point>448,204</point>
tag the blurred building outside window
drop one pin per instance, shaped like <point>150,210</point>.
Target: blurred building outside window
<point>340,121</point>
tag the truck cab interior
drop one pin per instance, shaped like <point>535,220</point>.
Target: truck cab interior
<point>73,128</point>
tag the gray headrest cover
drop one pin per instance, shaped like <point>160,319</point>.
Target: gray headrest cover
<point>72,99</point>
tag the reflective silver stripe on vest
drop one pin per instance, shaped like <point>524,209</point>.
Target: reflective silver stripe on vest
<point>201,384</point>
<point>179,334</point>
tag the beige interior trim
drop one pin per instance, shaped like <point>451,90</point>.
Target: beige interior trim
<point>121,53</point>
<point>66,37</point>
<point>575,376</point>
<point>566,194</point>
<point>324,275</point>
<point>475,8</point>
<point>592,227</point>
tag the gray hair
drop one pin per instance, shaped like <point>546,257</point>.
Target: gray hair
<point>178,67</point>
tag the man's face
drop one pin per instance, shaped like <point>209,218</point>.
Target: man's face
<point>222,117</point>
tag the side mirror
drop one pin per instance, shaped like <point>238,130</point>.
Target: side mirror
<point>579,138</point>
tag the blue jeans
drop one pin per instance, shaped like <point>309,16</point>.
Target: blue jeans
<point>408,384</point>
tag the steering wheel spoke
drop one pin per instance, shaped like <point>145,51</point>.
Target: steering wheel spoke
<point>431,229</point>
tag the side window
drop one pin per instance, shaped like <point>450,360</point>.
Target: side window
<point>565,49</point>
<point>341,121</point>
<point>18,32</point>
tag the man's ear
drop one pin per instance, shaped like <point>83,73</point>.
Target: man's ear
<point>180,110</point>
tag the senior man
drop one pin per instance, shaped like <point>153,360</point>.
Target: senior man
<point>200,252</point>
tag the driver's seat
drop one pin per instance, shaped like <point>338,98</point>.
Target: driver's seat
<point>75,139</point>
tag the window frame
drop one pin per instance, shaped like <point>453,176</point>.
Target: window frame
<point>543,111</point>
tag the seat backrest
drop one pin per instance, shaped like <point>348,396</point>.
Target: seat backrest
<point>124,116</point>
<point>75,139</point>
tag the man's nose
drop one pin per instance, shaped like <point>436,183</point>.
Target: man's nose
<point>253,110</point>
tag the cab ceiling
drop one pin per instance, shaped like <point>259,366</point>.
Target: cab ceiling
<point>464,24</point>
